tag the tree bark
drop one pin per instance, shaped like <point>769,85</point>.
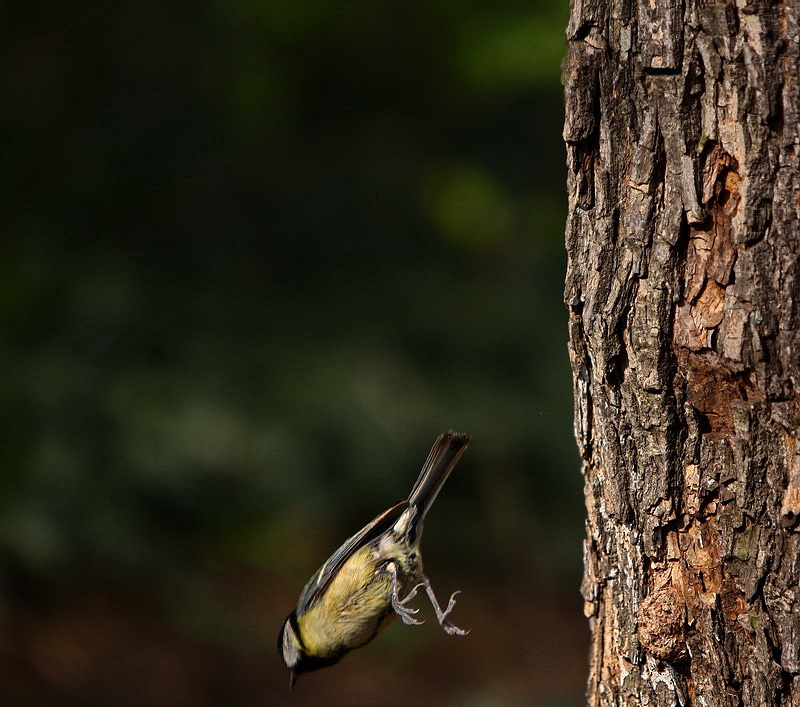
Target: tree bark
<point>683,144</point>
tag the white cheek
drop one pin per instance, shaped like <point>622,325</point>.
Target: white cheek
<point>290,653</point>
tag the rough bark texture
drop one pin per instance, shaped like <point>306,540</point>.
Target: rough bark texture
<point>682,135</point>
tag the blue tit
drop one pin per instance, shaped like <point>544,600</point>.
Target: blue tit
<point>371,577</point>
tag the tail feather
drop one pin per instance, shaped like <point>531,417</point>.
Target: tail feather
<point>444,455</point>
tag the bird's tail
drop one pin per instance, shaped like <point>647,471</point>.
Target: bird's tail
<point>444,455</point>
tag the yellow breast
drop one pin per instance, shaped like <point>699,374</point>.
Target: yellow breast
<point>355,606</point>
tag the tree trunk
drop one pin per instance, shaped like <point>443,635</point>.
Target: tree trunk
<point>683,136</point>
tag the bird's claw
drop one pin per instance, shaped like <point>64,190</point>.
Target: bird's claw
<point>450,628</point>
<point>405,615</point>
<point>399,605</point>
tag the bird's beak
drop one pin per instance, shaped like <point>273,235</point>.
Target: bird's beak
<point>292,679</point>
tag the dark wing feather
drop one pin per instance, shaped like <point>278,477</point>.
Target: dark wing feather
<point>325,574</point>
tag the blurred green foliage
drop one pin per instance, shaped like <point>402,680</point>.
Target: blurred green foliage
<point>257,255</point>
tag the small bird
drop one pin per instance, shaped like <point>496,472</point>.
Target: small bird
<point>358,591</point>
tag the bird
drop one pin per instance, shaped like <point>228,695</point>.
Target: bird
<point>371,577</point>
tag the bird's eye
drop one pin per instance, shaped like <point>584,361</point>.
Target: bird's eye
<point>412,556</point>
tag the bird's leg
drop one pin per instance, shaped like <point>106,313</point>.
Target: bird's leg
<point>399,605</point>
<point>442,615</point>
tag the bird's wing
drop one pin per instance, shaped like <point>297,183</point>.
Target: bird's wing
<point>322,578</point>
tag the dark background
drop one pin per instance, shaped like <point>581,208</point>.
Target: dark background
<point>256,255</point>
